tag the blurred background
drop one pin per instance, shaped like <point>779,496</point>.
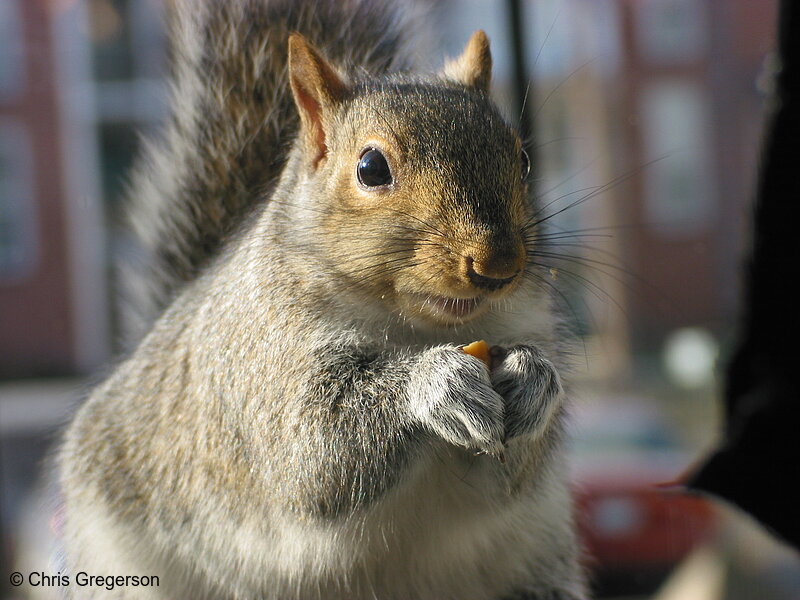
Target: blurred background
<point>644,118</point>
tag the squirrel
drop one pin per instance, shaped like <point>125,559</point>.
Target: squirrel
<point>323,232</point>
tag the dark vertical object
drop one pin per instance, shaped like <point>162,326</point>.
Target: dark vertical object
<point>523,85</point>
<point>760,457</point>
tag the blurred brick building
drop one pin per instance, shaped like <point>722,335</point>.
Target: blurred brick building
<point>53,295</point>
<point>78,80</point>
<point>690,101</point>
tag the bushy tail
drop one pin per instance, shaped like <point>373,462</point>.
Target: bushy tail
<point>231,122</point>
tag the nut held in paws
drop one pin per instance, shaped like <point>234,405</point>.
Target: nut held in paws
<point>479,349</point>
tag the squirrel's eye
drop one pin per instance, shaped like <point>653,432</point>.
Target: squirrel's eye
<point>526,165</point>
<point>372,169</point>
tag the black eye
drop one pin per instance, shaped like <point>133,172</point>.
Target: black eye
<point>526,165</point>
<point>372,169</point>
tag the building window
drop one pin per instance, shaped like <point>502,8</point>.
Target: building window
<point>18,248</point>
<point>678,190</point>
<point>670,31</point>
<point>12,62</point>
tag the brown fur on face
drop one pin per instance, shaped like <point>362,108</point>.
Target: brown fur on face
<point>444,239</point>
<point>449,210</point>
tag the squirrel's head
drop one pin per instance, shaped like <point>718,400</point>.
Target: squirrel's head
<point>416,188</point>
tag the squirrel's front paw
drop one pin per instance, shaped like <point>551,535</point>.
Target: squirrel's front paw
<point>531,387</point>
<point>451,394</point>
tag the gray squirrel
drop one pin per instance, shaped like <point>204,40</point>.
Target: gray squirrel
<point>324,232</point>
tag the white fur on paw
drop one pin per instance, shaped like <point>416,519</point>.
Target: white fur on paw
<point>451,395</point>
<point>532,390</point>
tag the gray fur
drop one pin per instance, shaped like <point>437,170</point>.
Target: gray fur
<point>451,395</point>
<point>531,386</point>
<point>283,431</point>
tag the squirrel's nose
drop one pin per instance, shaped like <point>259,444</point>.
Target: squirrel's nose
<point>487,276</point>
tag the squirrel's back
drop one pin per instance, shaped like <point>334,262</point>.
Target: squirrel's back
<point>231,122</point>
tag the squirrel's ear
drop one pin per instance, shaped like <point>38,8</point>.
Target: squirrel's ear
<point>474,67</point>
<point>316,87</point>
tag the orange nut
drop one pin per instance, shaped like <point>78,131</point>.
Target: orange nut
<point>479,349</point>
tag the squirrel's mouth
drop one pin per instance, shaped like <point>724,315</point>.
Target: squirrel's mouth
<point>449,309</point>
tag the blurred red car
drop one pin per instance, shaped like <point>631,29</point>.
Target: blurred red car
<point>634,528</point>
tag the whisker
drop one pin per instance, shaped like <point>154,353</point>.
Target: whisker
<point>567,195</point>
<point>530,273</point>
<point>600,190</point>
<point>568,179</point>
<point>561,83</point>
